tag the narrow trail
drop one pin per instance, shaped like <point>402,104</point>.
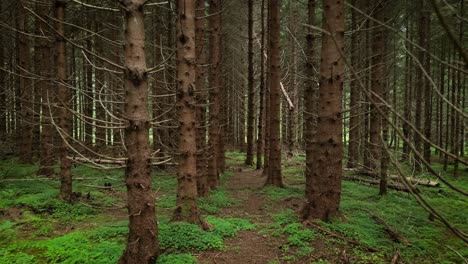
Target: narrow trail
<point>247,246</point>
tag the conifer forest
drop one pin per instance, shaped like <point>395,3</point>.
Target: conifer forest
<point>233,131</point>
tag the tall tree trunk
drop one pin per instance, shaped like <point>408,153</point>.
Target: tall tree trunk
<point>292,111</point>
<point>48,97</point>
<point>142,242</point>
<point>63,96</point>
<point>266,167</point>
<point>377,85</point>
<point>310,103</point>
<point>353,151</point>
<point>214,83</point>
<point>89,100</point>
<point>427,98</point>
<point>274,176</point>
<point>186,204</point>
<point>26,89</point>
<point>261,114</point>
<point>325,186</point>
<point>251,95</point>
<point>3,110</point>
<point>201,98</point>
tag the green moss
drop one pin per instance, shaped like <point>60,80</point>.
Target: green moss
<point>276,194</point>
<point>218,199</point>
<point>177,259</point>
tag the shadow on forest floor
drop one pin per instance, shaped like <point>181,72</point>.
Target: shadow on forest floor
<point>252,224</point>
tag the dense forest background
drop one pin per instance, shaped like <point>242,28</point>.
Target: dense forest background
<point>265,131</point>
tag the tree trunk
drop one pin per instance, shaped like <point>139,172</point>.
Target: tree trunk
<point>353,151</point>
<point>426,63</point>
<point>47,143</point>
<point>201,99</point>
<point>251,96</point>
<point>325,186</point>
<point>142,242</point>
<point>310,102</point>
<point>63,96</point>
<point>266,167</point>
<point>186,204</point>
<point>26,89</point>
<point>274,176</point>
<point>260,139</point>
<point>214,83</point>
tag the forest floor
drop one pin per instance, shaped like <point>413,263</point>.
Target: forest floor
<point>251,223</point>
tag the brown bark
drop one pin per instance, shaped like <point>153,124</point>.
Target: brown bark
<point>251,91</point>
<point>3,119</point>
<point>427,97</point>
<point>292,111</point>
<point>214,85</point>
<point>186,204</point>
<point>99,94</point>
<point>142,242</point>
<point>47,161</point>
<point>310,100</point>
<point>26,89</point>
<point>353,152</point>
<point>266,166</point>
<point>274,176</point>
<point>261,114</point>
<point>89,100</point>
<point>63,97</point>
<point>325,184</point>
<point>201,99</point>
<point>377,85</point>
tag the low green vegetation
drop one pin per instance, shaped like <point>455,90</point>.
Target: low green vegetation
<point>36,227</point>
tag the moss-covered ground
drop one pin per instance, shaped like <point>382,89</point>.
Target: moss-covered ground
<point>36,227</point>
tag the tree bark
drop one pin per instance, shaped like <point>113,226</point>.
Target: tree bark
<point>47,161</point>
<point>186,204</point>
<point>325,186</point>
<point>142,242</point>
<point>310,101</point>
<point>261,114</point>
<point>214,83</point>
<point>251,91</point>
<point>353,151</point>
<point>63,97</point>
<point>201,99</point>
<point>26,89</point>
<point>274,176</point>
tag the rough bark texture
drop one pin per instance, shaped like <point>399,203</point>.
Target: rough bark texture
<point>186,203</point>
<point>426,62</point>
<point>261,114</point>
<point>26,90</point>
<point>377,83</point>
<point>251,91</point>
<point>142,243</point>
<point>201,98</point>
<point>310,100</point>
<point>353,151</point>
<point>325,186</point>
<point>274,176</point>
<point>215,83</point>
<point>46,162</point>
<point>63,97</point>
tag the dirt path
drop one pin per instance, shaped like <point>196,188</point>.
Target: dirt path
<point>247,246</point>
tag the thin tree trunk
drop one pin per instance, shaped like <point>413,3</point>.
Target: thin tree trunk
<point>251,95</point>
<point>353,154</point>
<point>142,242</point>
<point>214,83</point>
<point>261,114</point>
<point>26,88</point>
<point>310,103</point>
<point>325,186</point>
<point>201,99</point>
<point>47,143</point>
<point>63,97</point>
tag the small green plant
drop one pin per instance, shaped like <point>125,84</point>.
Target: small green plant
<point>177,259</point>
<point>217,199</point>
<point>276,194</point>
